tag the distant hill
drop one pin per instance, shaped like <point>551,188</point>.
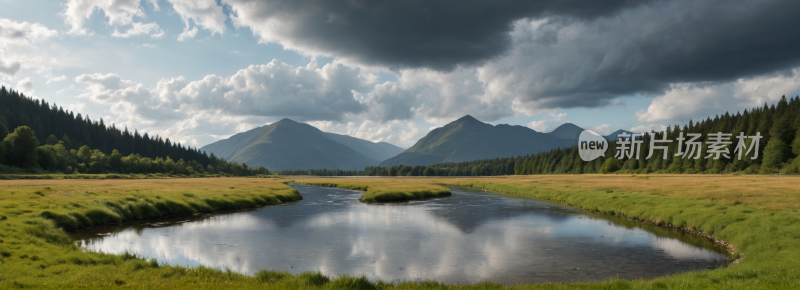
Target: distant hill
<point>615,136</point>
<point>567,131</point>
<point>573,132</point>
<point>287,144</point>
<point>468,139</point>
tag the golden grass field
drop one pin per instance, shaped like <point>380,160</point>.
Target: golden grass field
<point>757,214</point>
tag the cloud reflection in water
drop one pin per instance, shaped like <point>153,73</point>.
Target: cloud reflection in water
<point>469,237</point>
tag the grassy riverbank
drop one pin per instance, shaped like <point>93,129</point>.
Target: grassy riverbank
<point>35,252</point>
<point>380,190</point>
<point>757,214</point>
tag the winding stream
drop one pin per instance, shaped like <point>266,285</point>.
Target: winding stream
<point>469,237</point>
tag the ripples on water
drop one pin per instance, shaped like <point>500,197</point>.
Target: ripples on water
<point>469,237</point>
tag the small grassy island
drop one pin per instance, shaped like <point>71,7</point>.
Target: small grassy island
<point>757,215</point>
<point>383,190</point>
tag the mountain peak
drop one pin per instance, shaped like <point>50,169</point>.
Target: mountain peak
<point>287,120</point>
<point>287,144</point>
<point>467,119</point>
<point>567,131</point>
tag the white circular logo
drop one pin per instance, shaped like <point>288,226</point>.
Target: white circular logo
<point>591,145</point>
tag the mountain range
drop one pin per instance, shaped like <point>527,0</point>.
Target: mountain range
<point>468,139</point>
<point>287,144</point>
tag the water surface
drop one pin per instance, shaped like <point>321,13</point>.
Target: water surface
<point>469,237</point>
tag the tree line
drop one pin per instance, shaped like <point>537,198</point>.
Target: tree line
<point>93,147</point>
<point>51,122</point>
<point>779,147</point>
<point>498,166</point>
<point>487,167</point>
<point>321,172</point>
<point>21,150</point>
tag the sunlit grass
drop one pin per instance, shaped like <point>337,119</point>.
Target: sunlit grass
<point>757,214</point>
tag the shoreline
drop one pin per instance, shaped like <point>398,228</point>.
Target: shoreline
<point>729,247</point>
<point>591,201</point>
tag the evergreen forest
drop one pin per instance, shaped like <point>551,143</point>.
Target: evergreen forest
<point>86,146</point>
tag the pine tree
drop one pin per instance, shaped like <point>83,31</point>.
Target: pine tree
<point>796,144</point>
<point>773,156</point>
<point>3,131</point>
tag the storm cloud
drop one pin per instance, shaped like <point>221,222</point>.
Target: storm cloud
<point>558,63</point>
<point>543,54</point>
<point>386,64</point>
<point>404,34</point>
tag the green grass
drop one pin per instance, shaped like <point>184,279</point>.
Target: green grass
<point>769,241</point>
<point>35,252</point>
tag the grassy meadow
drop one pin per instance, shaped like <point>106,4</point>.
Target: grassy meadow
<point>756,214</point>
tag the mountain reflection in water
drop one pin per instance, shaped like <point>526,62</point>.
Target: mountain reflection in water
<point>469,237</point>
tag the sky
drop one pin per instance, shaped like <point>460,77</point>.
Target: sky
<point>197,71</point>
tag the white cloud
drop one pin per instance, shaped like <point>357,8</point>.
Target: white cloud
<point>9,68</point>
<point>204,13</point>
<point>26,86</point>
<point>187,33</point>
<point>648,128</point>
<point>76,107</point>
<point>12,31</point>
<point>604,129</point>
<point>18,47</point>
<point>155,5</point>
<point>274,89</point>
<point>64,90</point>
<point>100,81</point>
<point>139,28</point>
<point>698,101</point>
<point>246,99</point>
<point>540,126</point>
<point>435,96</point>
<point>556,119</point>
<point>119,12</point>
<point>396,132</point>
<point>56,79</point>
<point>111,88</point>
